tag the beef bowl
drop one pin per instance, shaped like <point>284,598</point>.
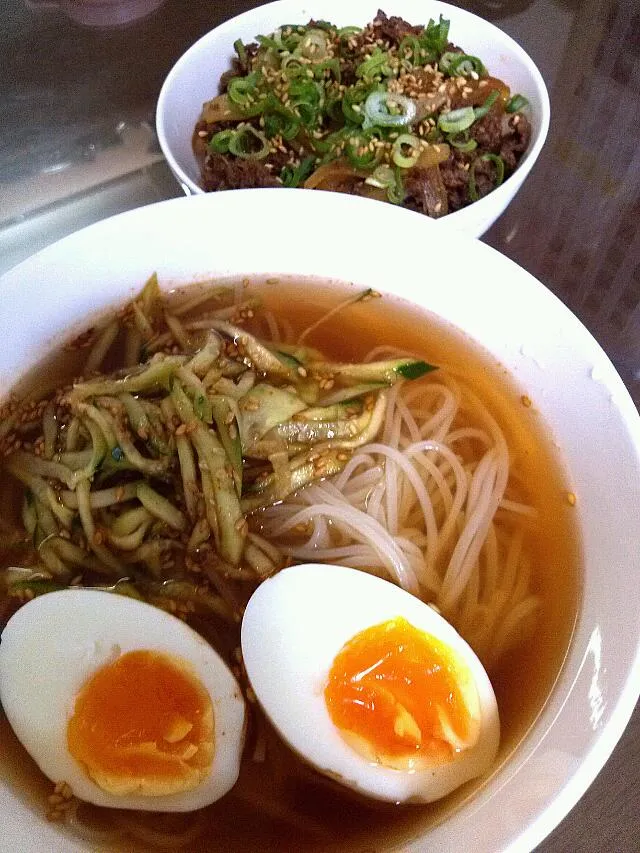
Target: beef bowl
<point>422,105</point>
<point>305,547</point>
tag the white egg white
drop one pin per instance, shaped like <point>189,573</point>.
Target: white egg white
<point>53,644</point>
<point>293,628</point>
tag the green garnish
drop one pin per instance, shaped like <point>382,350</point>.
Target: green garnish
<point>516,103</point>
<point>249,143</point>
<point>498,162</point>
<point>481,111</point>
<point>406,150</point>
<point>456,120</point>
<point>415,369</point>
<point>294,176</point>
<point>455,64</point>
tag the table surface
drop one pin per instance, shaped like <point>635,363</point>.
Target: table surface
<point>77,143</point>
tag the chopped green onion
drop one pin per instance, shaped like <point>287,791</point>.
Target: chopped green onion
<point>306,98</point>
<point>434,136</point>
<point>332,65</point>
<point>292,66</point>
<point>347,32</point>
<point>454,63</point>
<point>305,92</point>
<point>462,142</point>
<point>481,111</point>
<point>291,177</point>
<point>456,120</point>
<point>386,109</point>
<point>406,140</point>
<point>219,142</point>
<point>444,63</point>
<point>333,106</point>
<point>314,45</point>
<point>241,90</point>
<point>395,192</point>
<point>409,48</point>
<point>240,49</point>
<point>282,124</point>
<point>269,43</point>
<point>435,38</point>
<point>516,103</point>
<point>359,152</point>
<point>330,144</point>
<point>374,65</point>
<point>498,162</point>
<point>243,143</point>
<point>415,369</point>
<point>327,26</point>
<point>352,101</point>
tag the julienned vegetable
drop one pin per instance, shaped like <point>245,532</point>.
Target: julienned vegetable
<point>206,424</point>
<point>391,111</point>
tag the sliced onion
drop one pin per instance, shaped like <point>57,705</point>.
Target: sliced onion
<point>382,177</point>
<point>433,155</point>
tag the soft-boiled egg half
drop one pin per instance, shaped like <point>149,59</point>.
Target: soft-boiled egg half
<point>122,701</point>
<point>368,684</point>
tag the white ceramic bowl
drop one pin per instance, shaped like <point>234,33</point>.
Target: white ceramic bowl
<point>194,80</point>
<point>583,401</point>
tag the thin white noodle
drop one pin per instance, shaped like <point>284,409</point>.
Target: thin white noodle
<point>469,543</point>
<point>448,528</point>
<point>287,331</point>
<point>490,564</point>
<point>519,508</point>
<point>521,589</point>
<point>511,563</point>
<point>274,331</point>
<point>401,462</point>
<point>425,506</point>
<point>358,524</point>
<point>510,632</point>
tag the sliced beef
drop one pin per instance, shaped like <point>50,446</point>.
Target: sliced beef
<point>516,141</point>
<point>487,131</point>
<point>484,174</point>
<point>234,173</point>
<point>393,29</point>
<point>426,192</point>
<point>455,179</point>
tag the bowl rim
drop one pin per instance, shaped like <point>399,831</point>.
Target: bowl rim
<point>232,207</point>
<point>226,28</point>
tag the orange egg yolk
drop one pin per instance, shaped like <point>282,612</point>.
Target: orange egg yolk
<point>401,697</point>
<point>143,725</point>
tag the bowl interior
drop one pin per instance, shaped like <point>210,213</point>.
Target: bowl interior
<point>549,353</point>
<point>194,80</point>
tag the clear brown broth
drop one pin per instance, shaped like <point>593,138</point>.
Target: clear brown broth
<point>522,681</point>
